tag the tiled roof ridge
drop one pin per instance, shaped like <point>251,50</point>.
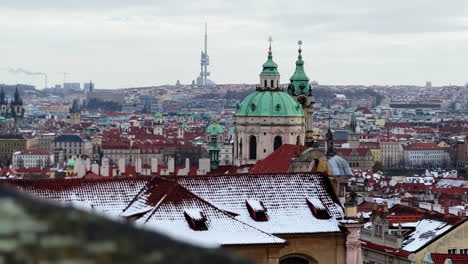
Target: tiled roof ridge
<point>144,188</point>
<point>160,201</point>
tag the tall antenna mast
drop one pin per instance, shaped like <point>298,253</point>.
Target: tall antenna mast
<point>206,38</point>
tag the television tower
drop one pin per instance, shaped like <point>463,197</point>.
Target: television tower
<point>204,62</point>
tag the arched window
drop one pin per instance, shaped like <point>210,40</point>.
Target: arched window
<point>266,84</point>
<point>272,84</point>
<point>298,140</point>
<point>278,142</point>
<point>277,83</point>
<point>253,148</point>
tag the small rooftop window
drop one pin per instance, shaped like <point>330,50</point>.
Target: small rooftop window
<point>196,219</point>
<point>256,210</point>
<point>319,210</point>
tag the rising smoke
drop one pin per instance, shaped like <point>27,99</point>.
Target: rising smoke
<point>23,71</point>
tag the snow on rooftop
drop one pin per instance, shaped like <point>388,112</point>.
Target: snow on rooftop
<point>108,197</point>
<point>285,197</point>
<point>169,217</point>
<point>426,230</point>
<point>317,203</point>
<point>256,205</point>
<point>445,183</point>
<point>195,213</point>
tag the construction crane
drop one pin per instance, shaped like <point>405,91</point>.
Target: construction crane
<point>64,76</point>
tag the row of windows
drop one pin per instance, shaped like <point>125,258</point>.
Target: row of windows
<point>463,251</point>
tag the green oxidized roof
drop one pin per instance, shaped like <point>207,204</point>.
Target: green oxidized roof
<point>269,103</point>
<point>214,129</point>
<point>270,67</point>
<point>71,163</point>
<point>299,79</point>
<point>158,115</point>
<point>299,73</point>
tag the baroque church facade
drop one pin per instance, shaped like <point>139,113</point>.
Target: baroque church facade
<point>271,116</point>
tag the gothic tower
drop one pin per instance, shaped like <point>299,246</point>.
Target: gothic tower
<point>3,103</point>
<point>354,133</point>
<point>75,113</point>
<point>300,88</point>
<point>17,108</point>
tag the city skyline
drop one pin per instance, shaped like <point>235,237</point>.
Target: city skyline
<point>142,44</point>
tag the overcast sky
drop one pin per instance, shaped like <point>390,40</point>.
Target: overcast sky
<point>129,43</point>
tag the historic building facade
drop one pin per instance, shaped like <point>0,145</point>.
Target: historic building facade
<point>267,118</point>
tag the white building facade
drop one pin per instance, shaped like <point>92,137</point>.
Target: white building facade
<point>33,158</point>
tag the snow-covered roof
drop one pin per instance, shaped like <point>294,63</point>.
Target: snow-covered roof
<point>174,207</point>
<point>283,195</point>
<point>425,231</point>
<point>444,183</point>
<point>108,197</point>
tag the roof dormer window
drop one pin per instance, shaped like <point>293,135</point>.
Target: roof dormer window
<point>256,210</point>
<point>196,219</point>
<point>319,210</point>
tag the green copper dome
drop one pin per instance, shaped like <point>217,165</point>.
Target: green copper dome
<point>269,103</point>
<point>214,129</point>
<point>299,80</point>
<point>158,115</point>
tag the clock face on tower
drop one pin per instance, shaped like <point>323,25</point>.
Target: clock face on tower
<point>302,100</point>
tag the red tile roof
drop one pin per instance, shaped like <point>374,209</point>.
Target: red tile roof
<point>348,151</point>
<point>385,249</point>
<point>422,146</point>
<point>279,160</point>
<point>363,110</point>
<point>369,145</point>
<point>456,258</point>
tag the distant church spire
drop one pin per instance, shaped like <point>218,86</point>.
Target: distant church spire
<point>330,142</point>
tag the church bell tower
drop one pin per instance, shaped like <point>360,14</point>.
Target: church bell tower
<point>300,88</point>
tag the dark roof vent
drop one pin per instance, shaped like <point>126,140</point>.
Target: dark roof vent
<point>319,210</point>
<point>256,210</point>
<point>196,219</point>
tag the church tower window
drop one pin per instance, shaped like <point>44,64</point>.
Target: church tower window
<point>253,148</point>
<point>272,84</point>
